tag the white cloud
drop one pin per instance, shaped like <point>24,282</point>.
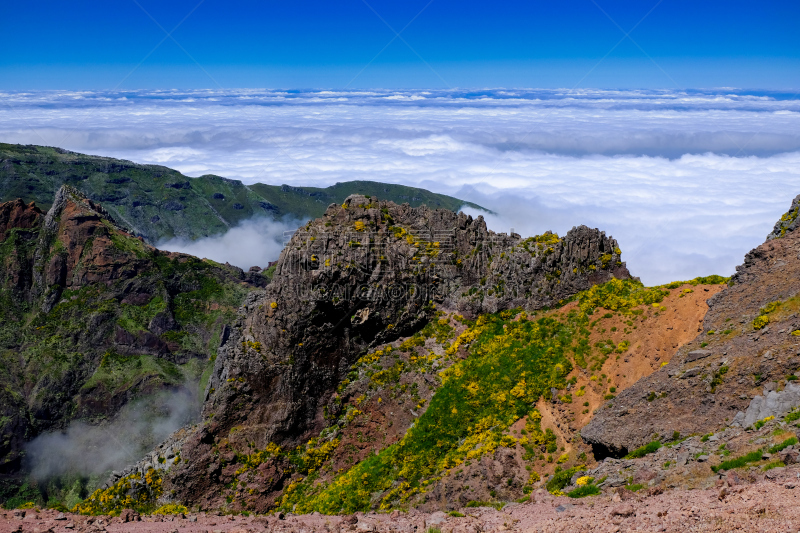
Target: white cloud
<point>686,181</point>
<point>255,242</point>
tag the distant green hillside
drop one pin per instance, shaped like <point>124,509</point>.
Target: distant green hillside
<point>158,203</point>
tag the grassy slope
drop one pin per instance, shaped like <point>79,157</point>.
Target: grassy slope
<point>157,202</point>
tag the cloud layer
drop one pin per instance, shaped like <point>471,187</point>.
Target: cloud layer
<point>686,181</point>
<point>255,242</point>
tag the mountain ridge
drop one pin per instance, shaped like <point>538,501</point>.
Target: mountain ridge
<point>159,203</point>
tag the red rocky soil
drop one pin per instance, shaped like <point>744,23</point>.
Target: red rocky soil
<point>769,505</point>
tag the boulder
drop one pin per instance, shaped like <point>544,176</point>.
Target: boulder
<point>694,355</point>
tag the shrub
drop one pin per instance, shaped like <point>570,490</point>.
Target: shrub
<point>496,505</point>
<point>586,490</point>
<point>752,457</point>
<point>760,424</point>
<point>171,508</point>
<point>791,417</point>
<point>456,514</point>
<point>773,464</point>
<point>635,487</point>
<point>644,450</point>
<point>760,322</point>
<point>785,444</point>
<point>561,479</point>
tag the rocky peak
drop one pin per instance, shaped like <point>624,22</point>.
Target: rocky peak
<point>365,273</point>
<point>77,247</point>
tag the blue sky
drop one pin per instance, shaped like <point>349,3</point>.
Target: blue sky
<point>442,43</point>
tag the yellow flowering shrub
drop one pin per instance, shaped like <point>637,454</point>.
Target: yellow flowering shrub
<point>131,492</point>
<point>787,219</point>
<point>760,322</point>
<point>171,508</point>
<point>763,314</point>
<point>620,295</point>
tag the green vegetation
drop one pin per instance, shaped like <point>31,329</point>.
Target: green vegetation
<point>496,505</point>
<point>791,441</point>
<point>760,423</point>
<point>739,462</point>
<point>561,479</point>
<point>793,416</point>
<point>644,450</point>
<point>717,379</point>
<point>773,464</point>
<point>702,280</point>
<point>586,490</point>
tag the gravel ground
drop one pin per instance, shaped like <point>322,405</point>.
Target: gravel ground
<point>768,505</point>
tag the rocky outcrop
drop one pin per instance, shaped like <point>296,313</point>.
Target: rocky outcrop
<point>366,273</point>
<point>772,404</point>
<point>788,222</point>
<point>748,331</point>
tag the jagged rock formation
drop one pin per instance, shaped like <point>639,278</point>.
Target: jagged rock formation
<point>92,317</point>
<point>749,343</point>
<point>366,273</point>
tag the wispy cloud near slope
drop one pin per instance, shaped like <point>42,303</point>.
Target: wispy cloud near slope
<point>686,181</point>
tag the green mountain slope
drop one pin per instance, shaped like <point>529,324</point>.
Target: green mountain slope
<point>92,318</point>
<point>158,203</point>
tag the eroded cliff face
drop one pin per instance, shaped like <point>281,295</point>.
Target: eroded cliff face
<point>366,273</point>
<point>746,348</point>
<point>92,318</point>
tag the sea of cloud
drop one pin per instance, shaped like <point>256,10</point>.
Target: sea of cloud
<point>687,181</point>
